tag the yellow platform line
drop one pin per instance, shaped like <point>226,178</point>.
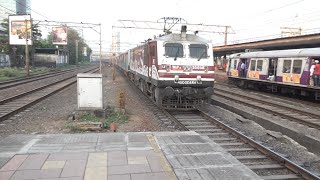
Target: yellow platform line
<point>163,161</point>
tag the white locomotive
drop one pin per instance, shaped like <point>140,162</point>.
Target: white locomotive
<point>175,70</point>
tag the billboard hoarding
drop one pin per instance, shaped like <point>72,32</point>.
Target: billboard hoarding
<point>59,35</point>
<point>20,29</point>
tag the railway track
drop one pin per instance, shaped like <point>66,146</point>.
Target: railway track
<point>293,113</point>
<point>24,80</point>
<point>17,103</point>
<point>260,159</point>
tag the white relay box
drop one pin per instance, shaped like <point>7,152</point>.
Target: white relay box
<point>89,89</point>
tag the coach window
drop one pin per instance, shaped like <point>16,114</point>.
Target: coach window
<point>253,65</point>
<point>286,66</point>
<point>145,55</point>
<point>259,65</point>
<point>174,49</point>
<point>234,65</point>
<point>297,66</point>
<point>198,50</point>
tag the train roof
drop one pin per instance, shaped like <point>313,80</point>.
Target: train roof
<point>306,52</point>
<point>178,38</point>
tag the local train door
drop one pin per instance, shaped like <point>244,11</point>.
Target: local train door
<point>255,68</point>
<point>272,69</point>
<point>291,70</point>
<point>234,67</point>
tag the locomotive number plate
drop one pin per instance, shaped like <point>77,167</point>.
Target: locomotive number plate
<point>188,82</point>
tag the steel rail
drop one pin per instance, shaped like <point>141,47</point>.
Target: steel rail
<point>19,81</point>
<point>20,108</point>
<point>310,124</point>
<point>274,155</point>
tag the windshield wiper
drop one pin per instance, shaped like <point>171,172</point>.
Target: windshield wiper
<point>175,58</point>
<point>202,55</point>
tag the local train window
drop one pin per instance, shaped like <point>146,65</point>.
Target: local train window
<point>297,66</point>
<point>259,65</point>
<point>174,49</point>
<point>286,66</point>
<point>198,50</point>
<point>253,65</point>
<point>234,64</point>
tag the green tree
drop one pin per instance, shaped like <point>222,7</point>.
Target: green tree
<point>74,36</point>
<point>20,50</point>
<point>4,39</point>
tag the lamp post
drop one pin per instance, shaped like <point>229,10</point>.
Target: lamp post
<point>27,50</point>
<point>100,50</point>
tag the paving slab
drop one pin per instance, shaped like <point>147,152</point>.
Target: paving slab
<point>127,156</point>
<point>193,156</point>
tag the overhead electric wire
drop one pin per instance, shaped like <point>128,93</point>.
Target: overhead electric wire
<point>284,6</point>
<point>32,10</point>
<point>8,9</point>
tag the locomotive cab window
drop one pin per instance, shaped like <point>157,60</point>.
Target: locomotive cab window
<point>297,66</point>
<point>174,49</point>
<point>286,66</point>
<point>198,50</point>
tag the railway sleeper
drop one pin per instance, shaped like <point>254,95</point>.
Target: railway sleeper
<point>203,127</point>
<point>266,166</point>
<point>279,177</point>
<point>251,157</point>
<point>240,149</point>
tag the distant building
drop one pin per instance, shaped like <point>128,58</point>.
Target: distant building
<point>50,57</point>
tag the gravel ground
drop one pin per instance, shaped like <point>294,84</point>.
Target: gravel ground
<point>283,145</point>
<point>51,115</point>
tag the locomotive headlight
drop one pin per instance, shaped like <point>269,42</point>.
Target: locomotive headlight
<point>168,68</point>
<point>163,66</point>
<point>176,78</point>
<point>199,78</point>
<point>206,69</point>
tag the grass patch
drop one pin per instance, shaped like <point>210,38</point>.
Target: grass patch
<point>74,128</point>
<point>10,73</point>
<point>117,117</point>
<point>90,118</point>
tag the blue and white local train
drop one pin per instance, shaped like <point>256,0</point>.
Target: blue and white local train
<point>285,71</point>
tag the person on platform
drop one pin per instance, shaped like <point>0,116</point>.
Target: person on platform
<point>316,73</point>
<point>311,83</point>
<point>243,69</point>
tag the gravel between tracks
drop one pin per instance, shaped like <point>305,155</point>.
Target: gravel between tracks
<point>51,115</point>
<point>283,145</point>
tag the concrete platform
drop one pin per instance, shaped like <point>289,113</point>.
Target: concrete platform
<point>127,156</point>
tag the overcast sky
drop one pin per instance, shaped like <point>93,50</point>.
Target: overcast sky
<point>248,18</point>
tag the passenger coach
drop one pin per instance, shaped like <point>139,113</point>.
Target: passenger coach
<point>285,71</point>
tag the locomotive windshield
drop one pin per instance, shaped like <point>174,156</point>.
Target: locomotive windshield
<point>174,50</point>
<point>198,50</point>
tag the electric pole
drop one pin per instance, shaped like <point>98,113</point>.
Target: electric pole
<point>77,51</point>
<point>27,50</point>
